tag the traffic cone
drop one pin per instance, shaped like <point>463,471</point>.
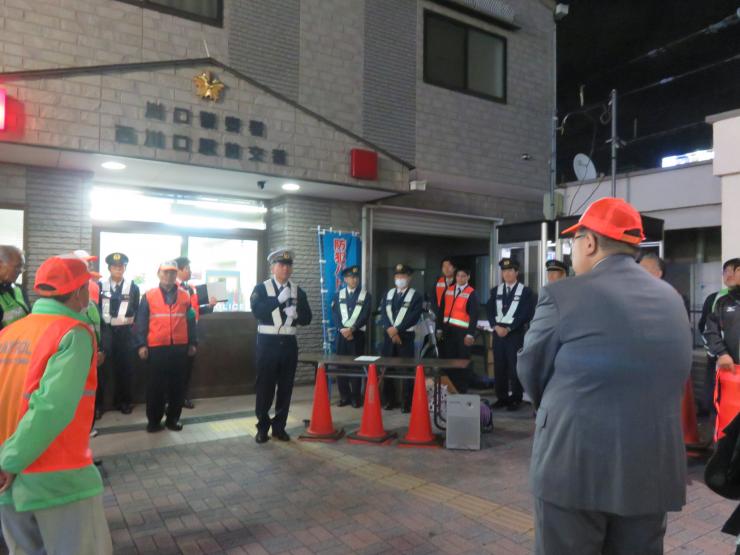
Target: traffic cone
<point>420,425</point>
<point>371,426</point>
<point>688,419</point>
<point>321,427</point>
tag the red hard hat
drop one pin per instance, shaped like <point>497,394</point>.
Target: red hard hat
<point>613,218</point>
<point>60,275</point>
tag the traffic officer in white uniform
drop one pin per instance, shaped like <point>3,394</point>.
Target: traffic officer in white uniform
<point>351,311</point>
<point>119,303</point>
<point>399,313</point>
<point>279,305</point>
<point>510,309</point>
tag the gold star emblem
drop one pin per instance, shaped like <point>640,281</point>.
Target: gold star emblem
<point>116,257</point>
<point>399,267</point>
<point>207,87</point>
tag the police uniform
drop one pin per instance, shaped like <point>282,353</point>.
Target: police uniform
<point>556,266</point>
<point>400,309</point>
<point>513,309</point>
<point>459,318</point>
<point>277,348</point>
<point>14,304</point>
<point>118,305</point>
<point>351,309</point>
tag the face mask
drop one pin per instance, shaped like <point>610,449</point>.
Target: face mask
<point>401,283</point>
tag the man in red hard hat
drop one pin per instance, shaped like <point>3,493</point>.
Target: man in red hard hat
<point>50,491</point>
<point>605,361</point>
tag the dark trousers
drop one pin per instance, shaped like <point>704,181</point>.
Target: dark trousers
<point>709,383</point>
<point>453,346</point>
<point>166,367</point>
<point>350,389</point>
<point>505,350</point>
<point>564,531</point>
<point>277,358</point>
<point>405,350</point>
<point>188,375</point>
<point>119,365</point>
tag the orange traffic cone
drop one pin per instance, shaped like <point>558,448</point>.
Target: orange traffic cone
<point>371,426</point>
<point>420,426</point>
<point>321,427</point>
<point>688,419</point>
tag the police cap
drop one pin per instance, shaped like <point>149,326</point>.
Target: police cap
<point>115,258</point>
<point>509,264</point>
<point>403,269</point>
<point>556,265</point>
<point>351,271</point>
<point>282,255</point>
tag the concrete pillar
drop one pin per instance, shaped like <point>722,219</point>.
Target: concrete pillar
<point>726,130</point>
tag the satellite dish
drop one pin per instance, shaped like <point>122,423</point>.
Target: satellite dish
<point>583,167</point>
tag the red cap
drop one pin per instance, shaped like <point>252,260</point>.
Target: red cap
<point>613,218</point>
<point>60,275</point>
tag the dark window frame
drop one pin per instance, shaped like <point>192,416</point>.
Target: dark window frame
<point>430,14</point>
<point>218,21</point>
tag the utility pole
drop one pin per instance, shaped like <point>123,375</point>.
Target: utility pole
<point>614,139</point>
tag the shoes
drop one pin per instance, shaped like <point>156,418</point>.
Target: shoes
<point>188,404</point>
<point>356,404</point>
<point>174,426</point>
<point>343,403</point>
<point>154,428</point>
<point>282,435</point>
<point>261,437</point>
<point>514,406</point>
<point>94,432</point>
<point>501,403</point>
<point>127,409</point>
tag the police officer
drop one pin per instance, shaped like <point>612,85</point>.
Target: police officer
<point>14,303</point>
<point>459,321</point>
<point>279,305</point>
<point>351,311</point>
<point>556,270</point>
<point>510,309</point>
<point>183,280</point>
<point>119,303</point>
<point>165,335</point>
<point>399,312</point>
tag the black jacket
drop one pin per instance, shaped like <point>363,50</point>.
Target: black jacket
<point>262,306</point>
<point>364,315</point>
<point>523,314</point>
<point>722,331</point>
<point>413,313</point>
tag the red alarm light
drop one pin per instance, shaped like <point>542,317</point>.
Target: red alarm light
<point>2,109</point>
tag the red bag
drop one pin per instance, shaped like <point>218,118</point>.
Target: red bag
<point>726,399</point>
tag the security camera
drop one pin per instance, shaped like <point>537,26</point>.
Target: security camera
<point>261,185</point>
<point>561,10</point>
<point>526,156</point>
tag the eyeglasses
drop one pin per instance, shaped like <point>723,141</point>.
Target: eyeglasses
<point>575,238</point>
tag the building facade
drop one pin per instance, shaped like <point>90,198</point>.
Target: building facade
<point>452,98</point>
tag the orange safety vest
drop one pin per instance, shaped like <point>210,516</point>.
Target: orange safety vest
<point>25,349</point>
<point>168,324</point>
<point>94,290</point>
<point>441,287</point>
<point>456,308</point>
<point>726,399</point>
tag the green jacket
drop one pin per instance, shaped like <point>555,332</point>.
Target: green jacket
<point>13,305</point>
<point>50,410</point>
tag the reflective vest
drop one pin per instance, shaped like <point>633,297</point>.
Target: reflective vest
<point>279,327</point>
<point>349,320</point>
<point>168,324</point>
<point>94,290</point>
<point>441,288</point>
<point>120,319</point>
<point>402,311</point>
<point>508,318</point>
<point>25,349</point>
<point>13,305</point>
<point>726,399</point>
<point>456,307</point>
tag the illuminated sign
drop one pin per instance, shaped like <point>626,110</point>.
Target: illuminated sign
<point>2,109</point>
<point>688,158</point>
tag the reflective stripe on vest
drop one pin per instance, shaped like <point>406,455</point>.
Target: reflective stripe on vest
<point>25,350</point>
<point>120,319</point>
<point>456,313</point>
<point>441,288</point>
<point>347,320</point>
<point>404,307</point>
<point>278,326</point>
<point>168,325</point>
<point>13,305</point>
<point>508,318</point>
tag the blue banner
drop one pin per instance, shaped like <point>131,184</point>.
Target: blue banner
<point>337,252</point>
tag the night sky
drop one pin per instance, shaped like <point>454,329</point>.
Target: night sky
<point>596,42</point>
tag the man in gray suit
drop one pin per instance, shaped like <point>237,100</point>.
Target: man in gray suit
<point>605,361</point>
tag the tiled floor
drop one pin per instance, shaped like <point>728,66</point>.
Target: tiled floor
<point>211,489</point>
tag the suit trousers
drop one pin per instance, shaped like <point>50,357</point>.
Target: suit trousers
<point>277,358</point>
<point>188,376</point>
<point>505,350</point>
<point>77,528</point>
<point>119,364</point>
<point>453,342</point>
<point>404,350</point>
<point>350,389</point>
<point>564,531</point>
<point>167,367</point>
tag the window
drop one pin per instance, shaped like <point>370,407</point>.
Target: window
<point>205,11</point>
<point>463,58</point>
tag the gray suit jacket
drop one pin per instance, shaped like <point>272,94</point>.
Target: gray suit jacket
<point>605,361</point>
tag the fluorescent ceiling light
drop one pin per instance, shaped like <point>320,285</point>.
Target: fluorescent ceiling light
<point>111,165</point>
<point>291,186</point>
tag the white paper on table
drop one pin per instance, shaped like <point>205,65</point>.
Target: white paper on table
<point>217,290</point>
<point>366,358</point>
